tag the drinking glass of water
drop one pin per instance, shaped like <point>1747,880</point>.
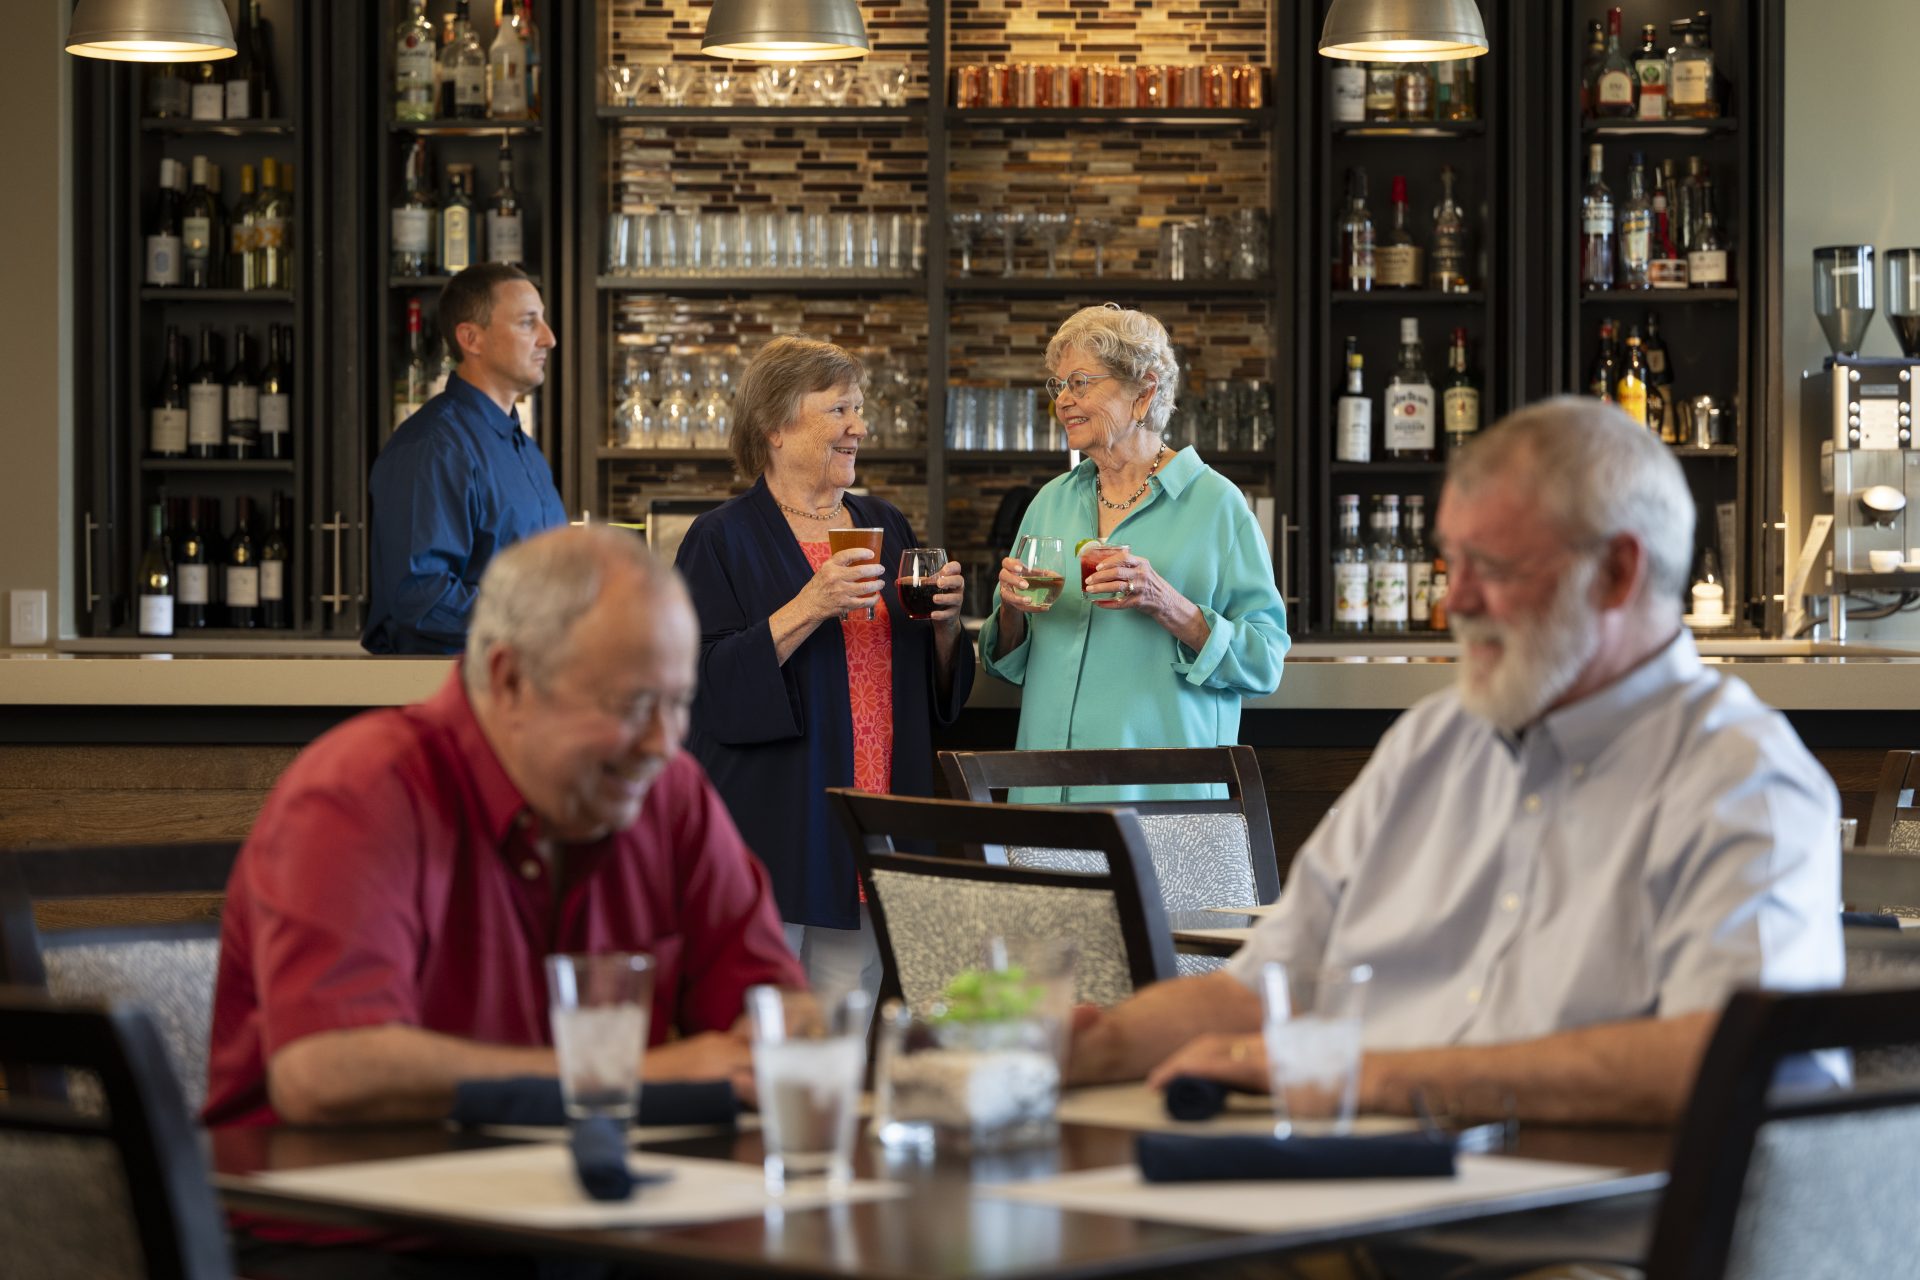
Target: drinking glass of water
<point>1311,1022</point>
<point>1044,559</point>
<point>600,1006</point>
<point>809,1085</point>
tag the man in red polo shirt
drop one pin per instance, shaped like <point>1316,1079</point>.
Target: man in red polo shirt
<point>386,922</point>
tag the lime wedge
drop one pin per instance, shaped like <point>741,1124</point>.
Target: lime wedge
<point>1083,542</point>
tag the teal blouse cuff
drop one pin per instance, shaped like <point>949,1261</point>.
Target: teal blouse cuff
<point>1200,667</point>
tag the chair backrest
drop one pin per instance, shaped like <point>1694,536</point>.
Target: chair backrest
<point>167,966</point>
<point>1771,1182</point>
<point>932,915</point>
<point>1206,853</point>
<point>1894,821</point>
<point>122,1193</point>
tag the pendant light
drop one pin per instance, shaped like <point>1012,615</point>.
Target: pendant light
<point>785,30</point>
<point>1403,30</point>
<point>151,30</point>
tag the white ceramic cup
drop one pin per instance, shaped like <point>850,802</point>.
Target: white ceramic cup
<point>1884,561</point>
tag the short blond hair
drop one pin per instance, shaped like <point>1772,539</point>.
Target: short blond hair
<point>780,375</point>
<point>1130,344</point>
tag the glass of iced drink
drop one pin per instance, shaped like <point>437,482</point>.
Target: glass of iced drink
<point>809,1086</point>
<point>1310,1019</point>
<point>1043,564</point>
<point>1091,556</point>
<point>847,539</point>
<point>600,1007</point>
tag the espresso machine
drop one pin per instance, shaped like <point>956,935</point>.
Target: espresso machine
<point>1858,411</point>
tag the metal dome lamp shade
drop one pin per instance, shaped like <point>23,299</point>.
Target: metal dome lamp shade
<point>1403,30</point>
<point>785,30</point>
<point>151,30</point>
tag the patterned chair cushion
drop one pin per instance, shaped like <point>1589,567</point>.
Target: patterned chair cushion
<point>65,1212</point>
<point>1905,835</point>
<point>172,980</point>
<point>1201,859</point>
<point>1896,1065</point>
<point>938,925</point>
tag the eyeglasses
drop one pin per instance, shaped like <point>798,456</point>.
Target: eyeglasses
<point>1078,384</point>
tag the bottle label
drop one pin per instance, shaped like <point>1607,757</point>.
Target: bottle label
<point>503,238</point>
<point>1353,431</point>
<point>1388,591</point>
<point>243,586</point>
<point>509,88</point>
<point>163,260</point>
<point>1420,591</point>
<point>1596,217</point>
<point>1657,361</point>
<point>1350,593</point>
<point>469,86</point>
<point>209,102</point>
<point>1409,417</point>
<point>1632,395</point>
<point>1462,408</point>
<point>156,615</point>
<point>413,67</point>
<point>1636,239</point>
<point>167,432</point>
<point>240,238</point>
<point>269,233</point>
<point>193,582</point>
<point>243,404</point>
<point>1707,267</point>
<point>456,239</point>
<point>1349,93</point>
<point>239,100</point>
<point>273,581</point>
<point>197,233</point>
<point>1380,93</point>
<point>1615,89</point>
<point>204,403</point>
<point>1653,88</point>
<point>276,414</point>
<point>1397,265</point>
<point>1419,98</point>
<point>412,230</point>
<point>1692,82</point>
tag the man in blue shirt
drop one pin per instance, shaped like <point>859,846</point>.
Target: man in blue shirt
<point>460,480</point>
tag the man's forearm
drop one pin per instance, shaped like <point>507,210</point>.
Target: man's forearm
<point>1137,1034</point>
<point>1639,1072</point>
<point>374,1074</point>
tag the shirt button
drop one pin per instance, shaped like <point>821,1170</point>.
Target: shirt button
<point>1510,903</point>
<point>1473,995</point>
<point>530,869</point>
<point>1533,804</point>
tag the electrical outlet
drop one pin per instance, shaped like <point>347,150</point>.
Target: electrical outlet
<point>27,618</point>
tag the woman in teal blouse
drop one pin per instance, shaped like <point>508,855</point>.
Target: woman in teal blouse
<point>1192,625</point>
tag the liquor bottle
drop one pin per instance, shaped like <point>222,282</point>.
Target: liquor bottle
<point>442,371</point>
<point>1347,86</point>
<point>413,64</point>
<point>414,220</point>
<point>1399,261</point>
<point>1613,80</point>
<point>456,221</point>
<point>206,92</point>
<point>1596,226</point>
<point>1636,229</point>
<point>1387,569</point>
<point>242,76</point>
<point>465,63</point>
<point>507,70</point>
<point>276,395</point>
<point>1353,263</point>
<point>192,582</point>
<point>272,236</point>
<point>530,41</point>
<point>1707,259</point>
<point>1606,364</point>
<point>167,97</point>
<point>1437,595</point>
<point>1650,75</point>
<point>243,401</point>
<point>266,90</point>
<point>203,232</point>
<point>1413,91</point>
<point>1447,264</point>
<point>206,403</point>
<point>1590,64</point>
<point>1631,389</point>
<point>154,607</point>
<point>1410,417</point>
<point>1383,84</point>
<point>1349,568</point>
<point>410,388</point>
<point>1668,269</point>
<point>246,213</point>
<point>274,558</point>
<point>241,569</point>
<point>1353,412</point>
<point>1688,204</point>
<point>1460,399</point>
<point>1694,94</point>
<point>505,241</point>
<point>1456,89</point>
<point>443,66</point>
<point>1660,414</point>
<point>164,242</point>
<point>1419,565</point>
<point>167,417</point>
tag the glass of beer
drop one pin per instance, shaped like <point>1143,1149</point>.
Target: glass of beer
<point>1044,565</point>
<point>919,579</point>
<point>1091,554</point>
<point>846,540</point>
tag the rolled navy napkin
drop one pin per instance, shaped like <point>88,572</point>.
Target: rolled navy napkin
<point>1181,1157</point>
<point>535,1100</point>
<point>1196,1097</point>
<point>599,1148</point>
<point>1868,920</point>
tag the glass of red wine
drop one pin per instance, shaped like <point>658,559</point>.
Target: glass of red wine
<point>919,579</point>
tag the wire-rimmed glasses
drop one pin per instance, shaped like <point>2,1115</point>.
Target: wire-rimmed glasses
<point>1076,383</point>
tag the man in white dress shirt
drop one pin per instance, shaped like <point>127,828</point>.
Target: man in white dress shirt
<point>1560,868</point>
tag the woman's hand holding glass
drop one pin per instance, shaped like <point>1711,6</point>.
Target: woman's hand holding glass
<point>1126,580</point>
<point>847,582</point>
<point>952,584</point>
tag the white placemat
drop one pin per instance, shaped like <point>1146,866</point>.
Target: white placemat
<point>1222,935</point>
<point>1135,1106</point>
<point>534,1186</point>
<point>1290,1205</point>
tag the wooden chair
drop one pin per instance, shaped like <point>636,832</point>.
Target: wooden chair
<point>932,914</point>
<point>167,966</point>
<point>1894,822</point>
<point>124,1192</point>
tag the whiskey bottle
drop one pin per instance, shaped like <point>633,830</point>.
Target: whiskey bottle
<point>1383,85</point>
<point>1410,417</point>
<point>1694,94</point>
<point>1413,91</point>
<point>1460,400</point>
<point>1398,260</point>
<point>1613,80</point>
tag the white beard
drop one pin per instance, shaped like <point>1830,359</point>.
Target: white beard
<point>1539,658</point>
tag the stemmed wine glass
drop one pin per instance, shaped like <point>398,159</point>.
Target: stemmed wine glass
<point>1099,233</point>
<point>967,228</point>
<point>674,79</point>
<point>1009,226</point>
<point>1050,229</point>
<point>624,83</point>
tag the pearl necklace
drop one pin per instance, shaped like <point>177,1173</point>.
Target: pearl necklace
<point>1137,493</point>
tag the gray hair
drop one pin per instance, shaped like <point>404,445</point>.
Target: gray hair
<point>1595,473</point>
<point>1131,344</point>
<point>782,374</point>
<point>533,592</point>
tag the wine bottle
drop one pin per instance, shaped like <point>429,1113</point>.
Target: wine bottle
<point>507,69</point>
<point>207,92</point>
<point>276,395</point>
<point>246,212</point>
<point>206,403</point>
<point>413,64</point>
<point>203,231</point>
<point>192,588</point>
<point>413,221</point>
<point>505,241</point>
<point>243,401</point>
<point>242,78</point>
<point>164,243</point>
<point>456,221</point>
<point>167,416</point>
<point>1347,84</point>
<point>154,606</point>
<point>273,228</point>
<point>241,569</point>
<point>274,558</point>
<point>266,88</point>
<point>167,92</point>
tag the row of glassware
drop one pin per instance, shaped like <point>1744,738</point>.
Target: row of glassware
<point>830,84</point>
<point>1234,248</point>
<point>1222,415</point>
<point>766,242</point>
<point>1152,86</point>
<point>684,400</point>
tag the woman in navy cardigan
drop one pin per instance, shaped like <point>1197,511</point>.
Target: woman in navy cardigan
<point>799,691</point>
